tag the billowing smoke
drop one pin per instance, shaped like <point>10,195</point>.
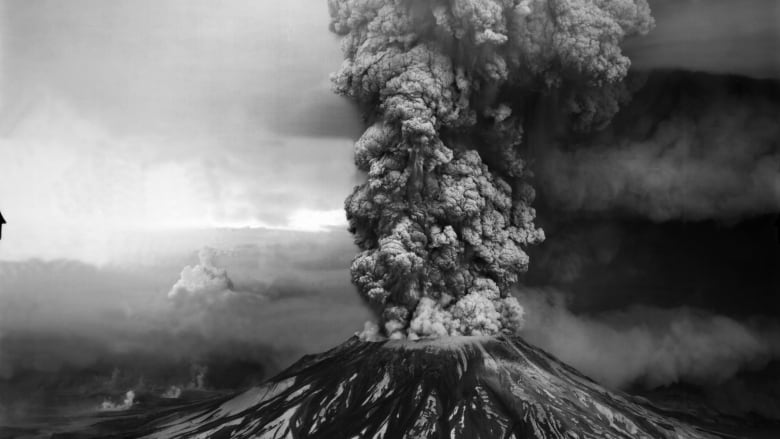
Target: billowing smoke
<point>688,147</point>
<point>648,346</point>
<point>203,280</point>
<point>125,404</point>
<point>448,89</point>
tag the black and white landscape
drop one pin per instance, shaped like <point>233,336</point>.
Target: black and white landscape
<point>403,218</point>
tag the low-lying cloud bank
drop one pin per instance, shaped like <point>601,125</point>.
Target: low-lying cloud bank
<point>235,314</point>
<point>648,346</point>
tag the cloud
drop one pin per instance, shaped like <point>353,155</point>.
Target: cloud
<point>234,71</point>
<point>688,147</point>
<point>94,191</point>
<point>125,404</point>
<point>267,302</point>
<point>647,345</point>
<point>247,306</point>
<point>286,293</point>
<point>202,280</point>
<point>226,130</point>
<point>717,36</point>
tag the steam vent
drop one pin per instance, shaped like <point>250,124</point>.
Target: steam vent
<point>464,387</point>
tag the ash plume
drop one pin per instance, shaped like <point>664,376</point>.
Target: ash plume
<point>449,89</point>
<point>689,146</point>
<point>648,346</point>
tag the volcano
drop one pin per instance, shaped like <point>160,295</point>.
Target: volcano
<point>458,387</point>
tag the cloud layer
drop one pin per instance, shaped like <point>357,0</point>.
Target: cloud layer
<point>136,114</point>
<point>689,147</point>
<point>265,303</point>
<point>647,345</point>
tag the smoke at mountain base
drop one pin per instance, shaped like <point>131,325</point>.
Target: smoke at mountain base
<point>125,404</point>
<point>648,346</point>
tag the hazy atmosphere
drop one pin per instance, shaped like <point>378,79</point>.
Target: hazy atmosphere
<point>173,175</point>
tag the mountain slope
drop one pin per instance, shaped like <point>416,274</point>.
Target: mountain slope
<point>463,387</point>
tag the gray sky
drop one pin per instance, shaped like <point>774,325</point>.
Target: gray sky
<point>717,36</point>
<point>134,114</point>
<point>134,132</point>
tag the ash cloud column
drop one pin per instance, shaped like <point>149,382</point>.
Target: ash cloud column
<point>447,88</point>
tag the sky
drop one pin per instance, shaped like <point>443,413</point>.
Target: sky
<point>128,116</point>
<point>718,36</point>
<point>132,135</point>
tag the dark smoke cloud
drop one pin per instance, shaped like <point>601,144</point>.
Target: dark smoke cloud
<point>610,264</point>
<point>752,391</point>
<point>447,86</point>
<point>648,346</point>
<point>689,146</point>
